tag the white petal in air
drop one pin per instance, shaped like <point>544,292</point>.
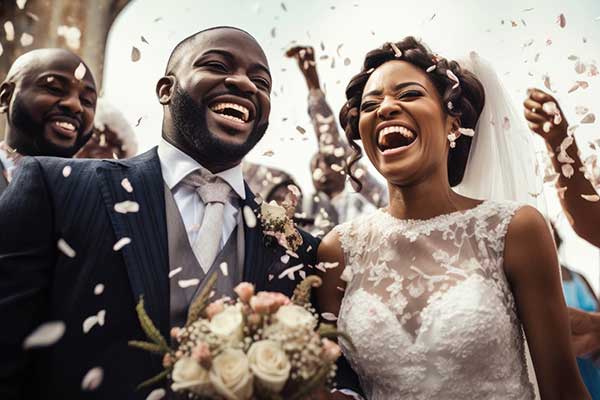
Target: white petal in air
<point>157,394</point>
<point>121,243</point>
<point>65,248</point>
<point>98,289</point>
<point>66,171</point>
<point>567,170</point>
<point>591,197</point>
<point>26,39</point>
<point>174,272</point>
<point>224,269</point>
<point>285,258</point>
<point>329,316</point>
<point>45,335</point>
<point>289,272</point>
<point>89,323</point>
<point>249,217</point>
<point>184,283</point>
<point>127,206</point>
<point>127,185</point>
<point>93,379</point>
<point>80,72</point>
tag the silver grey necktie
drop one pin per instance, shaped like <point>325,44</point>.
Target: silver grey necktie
<point>214,192</point>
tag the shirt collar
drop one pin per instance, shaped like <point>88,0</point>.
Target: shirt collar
<point>176,165</point>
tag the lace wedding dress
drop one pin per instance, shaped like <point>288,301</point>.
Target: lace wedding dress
<point>429,309</point>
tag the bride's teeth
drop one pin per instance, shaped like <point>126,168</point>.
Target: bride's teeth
<point>396,128</point>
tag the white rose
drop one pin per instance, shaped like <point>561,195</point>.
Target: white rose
<point>230,375</point>
<point>189,375</point>
<point>272,211</point>
<point>269,364</point>
<point>292,317</point>
<point>229,324</point>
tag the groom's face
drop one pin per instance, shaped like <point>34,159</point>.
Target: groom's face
<point>220,100</point>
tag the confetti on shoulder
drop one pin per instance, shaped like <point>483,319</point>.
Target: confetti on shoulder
<point>66,171</point>
<point>127,206</point>
<point>289,272</point>
<point>65,248</point>
<point>92,379</point>
<point>121,243</point>
<point>127,185</point>
<point>45,335</point>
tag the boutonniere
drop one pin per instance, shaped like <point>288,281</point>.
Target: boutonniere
<point>277,222</point>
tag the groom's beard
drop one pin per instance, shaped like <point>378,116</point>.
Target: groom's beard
<point>189,119</point>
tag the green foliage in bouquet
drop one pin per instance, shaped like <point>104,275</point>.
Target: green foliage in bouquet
<point>275,344</point>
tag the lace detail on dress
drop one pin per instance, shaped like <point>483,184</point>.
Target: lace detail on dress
<point>429,308</point>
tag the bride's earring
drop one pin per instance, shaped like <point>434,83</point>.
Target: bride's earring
<point>452,139</point>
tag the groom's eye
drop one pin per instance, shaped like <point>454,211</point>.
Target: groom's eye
<point>216,66</point>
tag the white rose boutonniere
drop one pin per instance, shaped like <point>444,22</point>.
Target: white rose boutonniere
<point>229,323</point>
<point>272,211</point>
<point>278,224</point>
<point>292,317</point>
<point>188,375</point>
<point>269,364</point>
<point>230,375</point>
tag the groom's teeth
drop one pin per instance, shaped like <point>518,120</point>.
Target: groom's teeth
<point>65,125</point>
<point>222,106</point>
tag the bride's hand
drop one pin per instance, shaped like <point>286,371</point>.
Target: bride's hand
<point>545,117</point>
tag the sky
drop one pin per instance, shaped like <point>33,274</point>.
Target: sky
<point>522,39</point>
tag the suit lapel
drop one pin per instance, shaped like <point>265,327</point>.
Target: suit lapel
<point>146,257</point>
<point>254,248</point>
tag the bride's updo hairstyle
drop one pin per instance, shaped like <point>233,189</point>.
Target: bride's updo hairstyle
<point>465,101</point>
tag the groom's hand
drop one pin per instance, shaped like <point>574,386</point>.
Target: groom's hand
<point>305,56</point>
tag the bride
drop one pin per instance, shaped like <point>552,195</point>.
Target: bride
<point>436,290</point>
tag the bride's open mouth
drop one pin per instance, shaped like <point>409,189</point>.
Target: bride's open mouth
<point>395,138</point>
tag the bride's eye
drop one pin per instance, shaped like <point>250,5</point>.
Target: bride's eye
<point>410,94</point>
<point>368,106</point>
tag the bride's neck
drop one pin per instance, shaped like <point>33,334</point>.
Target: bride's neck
<point>423,200</point>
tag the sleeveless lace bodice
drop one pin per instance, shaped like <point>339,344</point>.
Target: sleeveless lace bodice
<point>429,309</point>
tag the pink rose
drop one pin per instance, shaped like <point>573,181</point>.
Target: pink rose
<point>214,308</point>
<point>201,354</point>
<point>244,291</point>
<point>167,360</point>
<point>175,332</point>
<point>331,350</point>
<point>268,302</point>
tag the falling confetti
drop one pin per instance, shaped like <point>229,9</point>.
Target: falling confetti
<point>26,39</point>
<point>431,69</point>
<point>224,268</point>
<point>121,243</point>
<point>562,21</point>
<point>347,61</point>
<point>591,197</point>
<point>285,258</point>
<point>135,54</point>
<point>174,272</point>
<point>65,248</point>
<point>184,283</point>
<point>138,122</point>
<point>93,379</point>
<point>567,170</point>
<point>329,316</point>
<point>127,206</point>
<point>289,272</point>
<point>127,185</point>
<point>45,335</point>
<point>249,217</point>
<point>157,394</point>
<point>98,289</point>
<point>269,153</point>
<point>144,40</point>
<point>547,83</point>
<point>80,72</point>
<point>397,51</point>
<point>589,119</point>
<point>66,171</point>
<point>283,7</point>
<point>579,67</point>
<point>273,32</point>
<point>9,29</point>
<point>21,4</point>
<point>301,130</point>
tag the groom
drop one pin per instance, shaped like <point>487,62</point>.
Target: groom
<point>81,247</point>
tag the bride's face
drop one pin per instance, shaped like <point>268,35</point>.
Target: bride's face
<point>402,124</point>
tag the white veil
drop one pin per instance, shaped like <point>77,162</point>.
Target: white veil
<point>502,161</point>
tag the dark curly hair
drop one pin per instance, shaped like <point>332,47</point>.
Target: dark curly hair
<point>465,102</point>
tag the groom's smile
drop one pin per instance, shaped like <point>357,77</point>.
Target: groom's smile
<point>217,91</point>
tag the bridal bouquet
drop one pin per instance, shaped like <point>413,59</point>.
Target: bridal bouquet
<point>261,346</point>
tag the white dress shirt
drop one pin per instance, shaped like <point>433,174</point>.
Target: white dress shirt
<point>175,166</point>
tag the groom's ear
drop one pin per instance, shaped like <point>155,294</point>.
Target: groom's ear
<point>165,87</point>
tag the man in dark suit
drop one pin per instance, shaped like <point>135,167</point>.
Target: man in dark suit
<point>49,98</point>
<point>81,248</point>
